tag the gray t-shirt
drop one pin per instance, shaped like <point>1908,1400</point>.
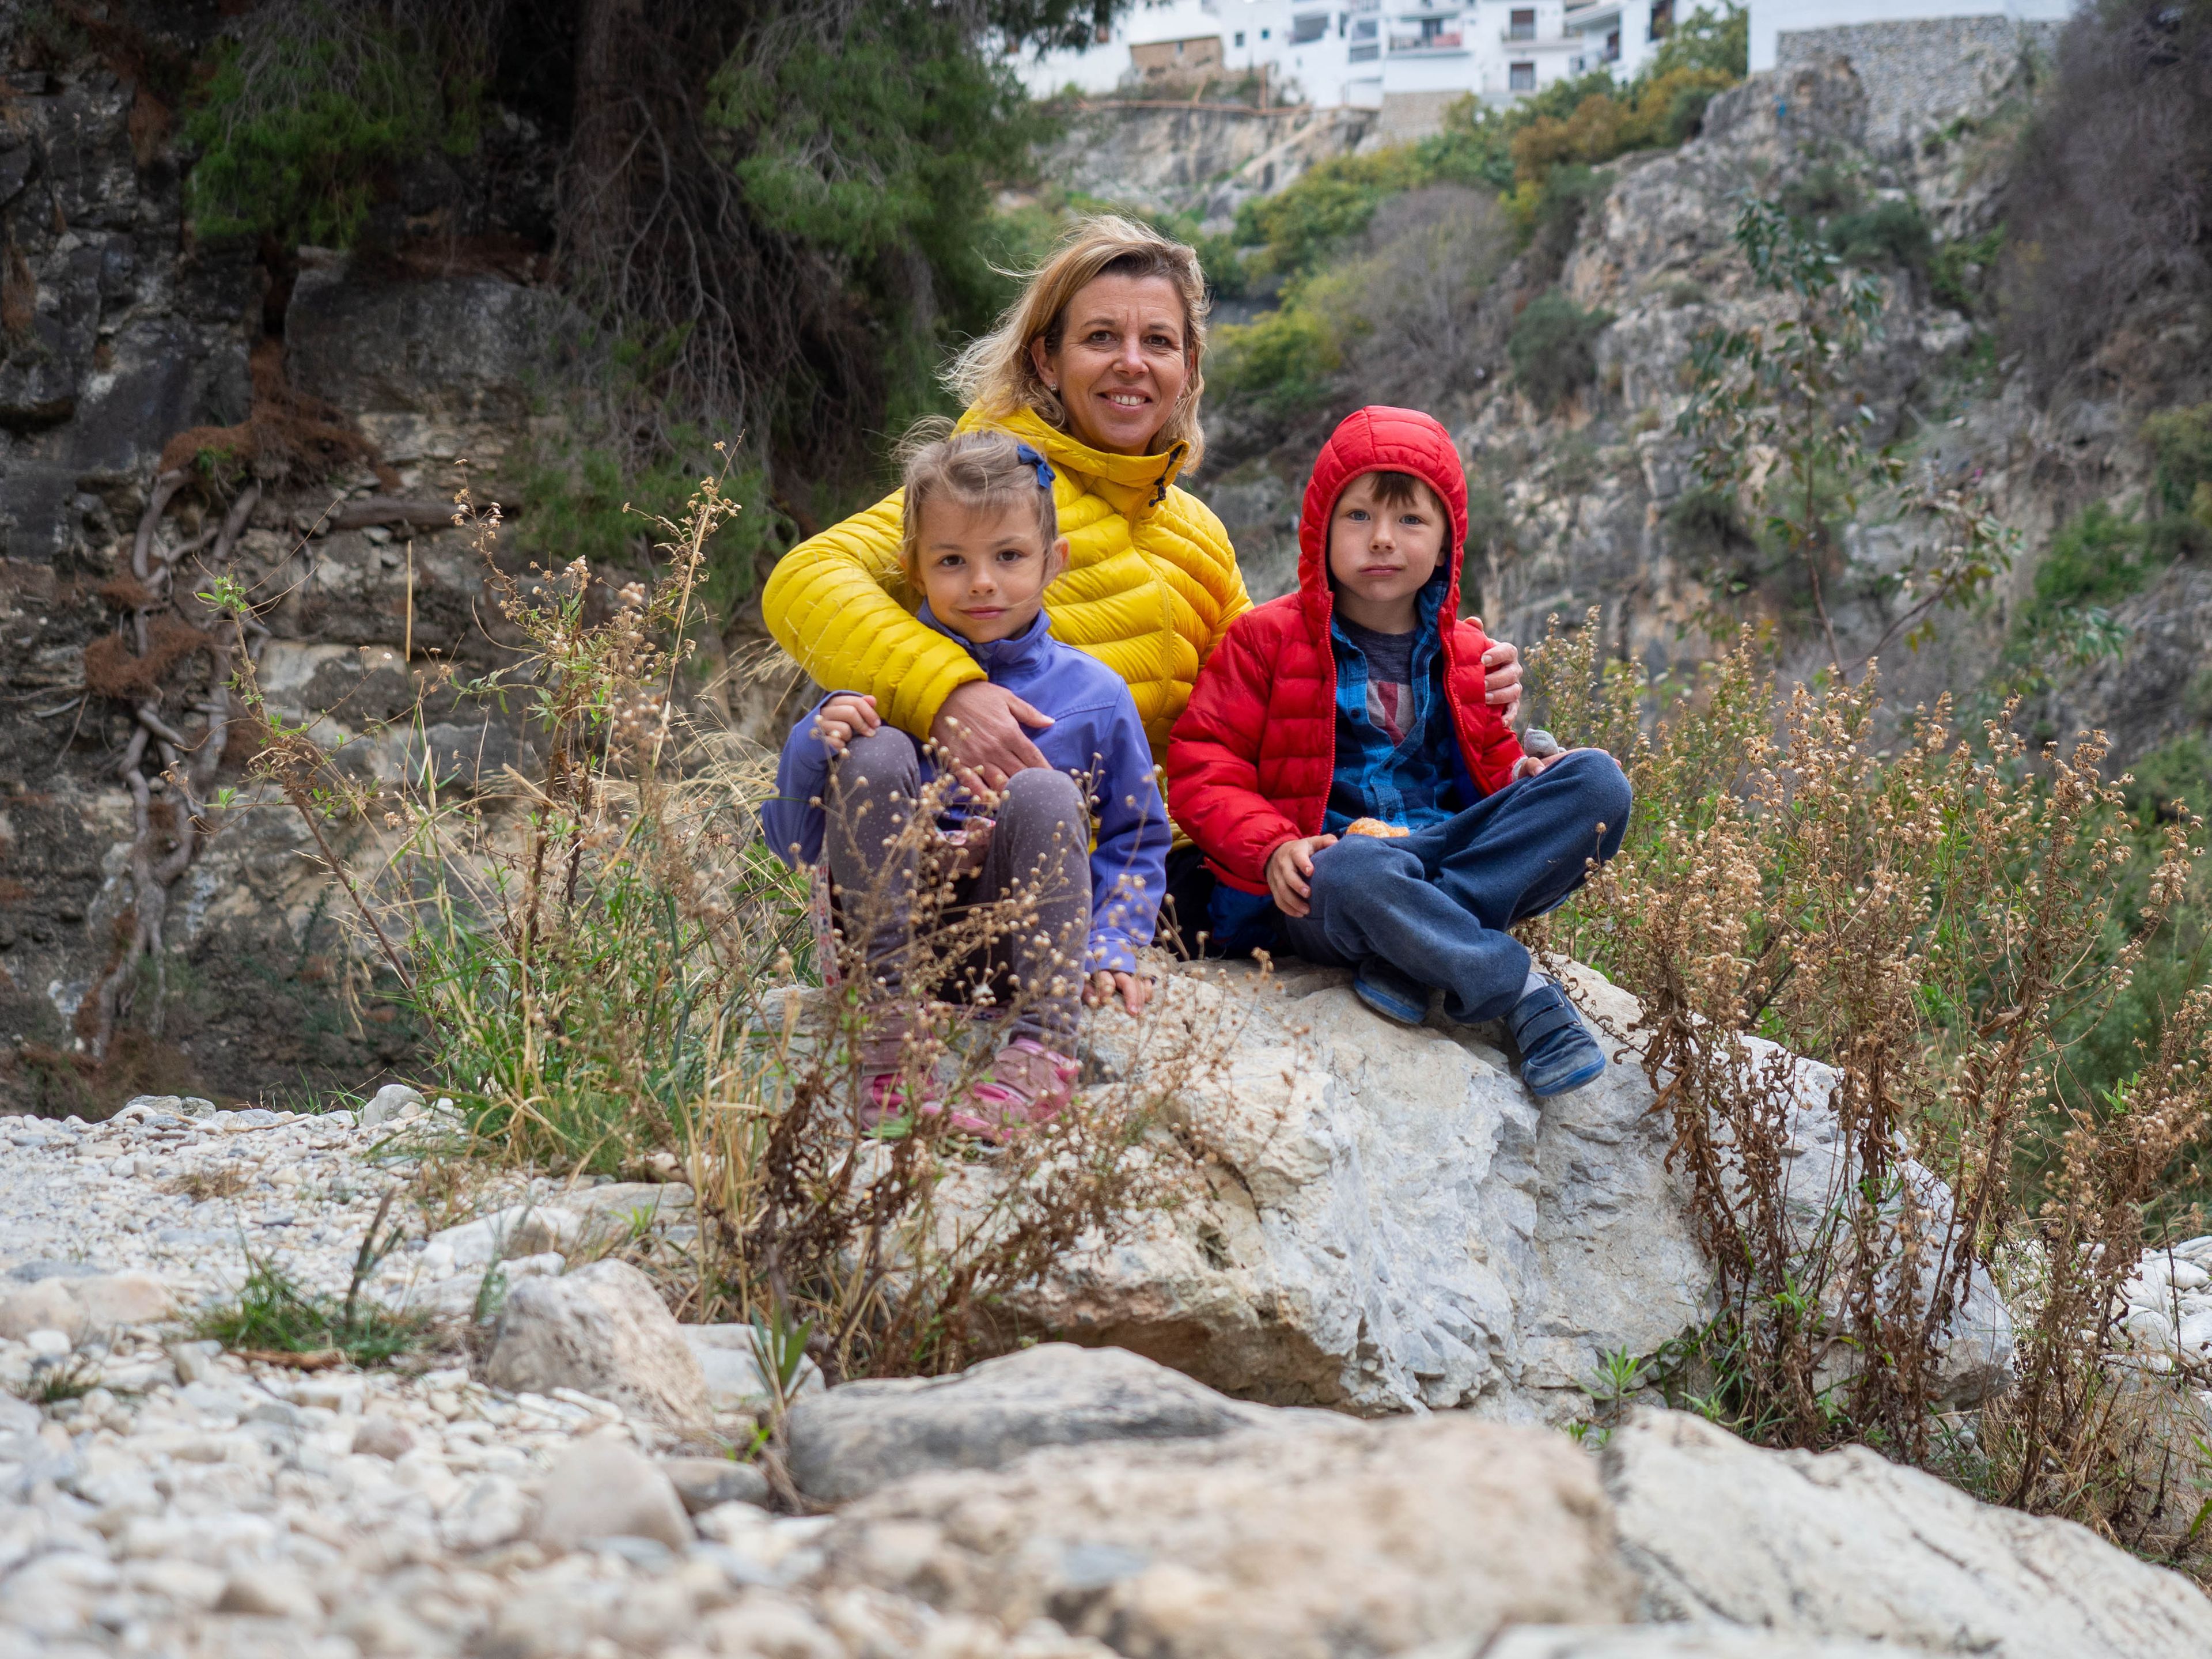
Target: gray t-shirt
<point>1389,677</point>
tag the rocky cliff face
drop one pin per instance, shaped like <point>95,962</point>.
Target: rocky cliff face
<point>1204,159</point>
<point>331,401</point>
<point>1596,503</point>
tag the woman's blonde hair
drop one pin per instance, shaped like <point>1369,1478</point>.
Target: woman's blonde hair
<point>996,376</point>
<point>974,470</point>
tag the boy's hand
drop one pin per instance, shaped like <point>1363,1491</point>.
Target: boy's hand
<point>1501,676</point>
<point>1134,990</point>
<point>1529,766</point>
<point>1289,873</point>
<point>845,716</point>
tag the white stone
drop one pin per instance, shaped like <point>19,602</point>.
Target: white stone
<point>603,1330</point>
<point>392,1102</point>
<point>271,1589</point>
<point>602,1488</point>
<point>1848,1544</point>
<point>489,1511</point>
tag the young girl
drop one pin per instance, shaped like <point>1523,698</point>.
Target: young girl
<point>981,543</point>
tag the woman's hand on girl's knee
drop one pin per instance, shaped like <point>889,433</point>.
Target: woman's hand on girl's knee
<point>845,716</point>
<point>1134,990</point>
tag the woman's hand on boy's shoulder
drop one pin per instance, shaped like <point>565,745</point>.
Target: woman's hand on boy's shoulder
<point>1289,873</point>
<point>848,716</point>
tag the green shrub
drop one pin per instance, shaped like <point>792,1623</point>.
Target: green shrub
<point>306,111</point>
<point>1281,362</point>
<point>2181,439</point>
<point>1886,233</point>
<point>1959,276</point>
<point>588,503</point>
<point>1326,206</point>
<point>880,136</point>
<point>1822,191</point>
<point>2097,559</point>
<point>1553,347</point>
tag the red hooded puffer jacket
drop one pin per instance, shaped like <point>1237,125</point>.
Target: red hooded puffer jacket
<point>1251,760</point>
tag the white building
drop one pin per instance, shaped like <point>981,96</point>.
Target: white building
<point>1410,58</point>
<point>1772,19</point>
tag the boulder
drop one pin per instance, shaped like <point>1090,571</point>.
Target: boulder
<point>472,345</point>
<point>1389,1221</point>
<point>1653,1642</point>
<point>603,1330</point>
<point>851,1440</point>
<point>1846,1543</point>
<point>1337,1538</point>
<point>603,1488</point>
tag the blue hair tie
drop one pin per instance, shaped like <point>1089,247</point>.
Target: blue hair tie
<point>1031,458</point>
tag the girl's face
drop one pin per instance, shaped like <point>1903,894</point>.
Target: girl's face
<point>1123,360</point>
<point>984,570</point>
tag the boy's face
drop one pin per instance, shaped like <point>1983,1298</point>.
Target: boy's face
<point>1382,554</point>
<point>984,570</point>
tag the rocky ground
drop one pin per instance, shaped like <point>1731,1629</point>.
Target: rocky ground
<point>564,1471</point>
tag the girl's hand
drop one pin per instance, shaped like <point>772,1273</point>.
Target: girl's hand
<point>1290,871</point>
<point>1136,992</point>
<point>845,716</point>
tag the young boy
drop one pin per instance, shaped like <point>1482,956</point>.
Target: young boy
<point>1359,800</point>
<point>982,543</point>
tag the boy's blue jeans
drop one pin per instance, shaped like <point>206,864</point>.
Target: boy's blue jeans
<point>1435,905</point>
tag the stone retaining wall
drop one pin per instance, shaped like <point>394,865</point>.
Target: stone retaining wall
<point>1923,73</point>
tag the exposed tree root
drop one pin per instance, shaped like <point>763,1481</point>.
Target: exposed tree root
<point>167,832</point>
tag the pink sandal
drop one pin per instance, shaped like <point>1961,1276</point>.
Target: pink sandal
<point>1029,1084</point>
<point>882,1089</point>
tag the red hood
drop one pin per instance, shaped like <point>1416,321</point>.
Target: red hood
<point>1379,439</point>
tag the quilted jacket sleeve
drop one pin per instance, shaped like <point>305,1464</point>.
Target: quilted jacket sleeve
<point>1492,748</point>
<point>1213,778</point>
<point>830,604</point>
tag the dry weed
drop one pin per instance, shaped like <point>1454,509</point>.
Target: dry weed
<point>1931,918</point>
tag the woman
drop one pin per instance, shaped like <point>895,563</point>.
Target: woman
<point>1097,365</point>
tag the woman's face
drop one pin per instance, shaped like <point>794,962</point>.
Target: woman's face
<point>1123,360</point>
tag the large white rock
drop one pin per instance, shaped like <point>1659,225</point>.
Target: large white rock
<point>603,1329</point>
<point>1391,1221</point>
<point>1327,1538</point>
<point>849,1441</point>
<point>1846,1543</point>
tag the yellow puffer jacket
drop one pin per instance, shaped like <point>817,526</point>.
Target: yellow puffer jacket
<point>1151,583</point>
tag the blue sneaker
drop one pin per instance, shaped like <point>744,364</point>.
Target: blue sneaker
<point>1391,995</point>
<point>1558,1052</point>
